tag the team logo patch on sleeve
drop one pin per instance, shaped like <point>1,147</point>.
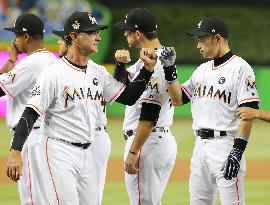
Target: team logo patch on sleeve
<point>8,77</point>
<point>250,83</point>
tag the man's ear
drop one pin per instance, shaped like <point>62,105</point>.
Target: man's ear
<point>218,38</point>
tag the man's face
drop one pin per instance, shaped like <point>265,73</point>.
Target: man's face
<point>62,47</point>
<point>208,46</point>
<point>88,42</point>
<point>131,39</point>
<point>20,42</point>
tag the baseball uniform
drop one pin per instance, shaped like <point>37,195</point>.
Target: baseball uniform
<point>18,84</point>
<point>215,92</point>
<point>101,147</point>
<point>69,99</point>
<point>157,156</point>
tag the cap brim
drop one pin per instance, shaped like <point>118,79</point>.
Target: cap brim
<point>59,33</point>
<point>14,30</point>
<point>96,28</point>
<point>196,32</point>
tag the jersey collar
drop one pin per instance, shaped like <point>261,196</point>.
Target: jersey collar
<point>221,61</point>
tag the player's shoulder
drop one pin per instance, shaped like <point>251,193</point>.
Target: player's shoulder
<point>241,62</point>
<point>96,67</point>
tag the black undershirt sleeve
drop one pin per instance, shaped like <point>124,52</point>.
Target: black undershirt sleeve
<point>120,73</point>
<point>2,93</point>
<point>185,98</point>
<point>150,112</point>
<point>253,104</point>
<point>134,89</point>
<point>24,127</point>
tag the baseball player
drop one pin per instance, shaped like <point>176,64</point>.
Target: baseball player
<point>150,149</point>
<point>216,89</point>
<point>61,43</point>
<point>17,82</point>
<point>101,145</point>
<point>68,94</point>
<point>247,113</point>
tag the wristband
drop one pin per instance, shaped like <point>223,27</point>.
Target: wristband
<point>240,143</point>
<point>132,152</point>
<point>11,61</point>
<point>170,73</point>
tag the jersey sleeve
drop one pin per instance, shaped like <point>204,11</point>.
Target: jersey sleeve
<point>17,80</point>
<point>43,93</point>
<point>111,88</point>
<point>188,87</point>
<point>155,90</point>
<point>246,86</point>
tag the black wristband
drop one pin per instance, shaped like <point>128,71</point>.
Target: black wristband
<point>132,152</point>
<point>240,144</point>
<point>170,73</point>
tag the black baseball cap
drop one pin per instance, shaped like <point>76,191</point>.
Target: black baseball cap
<point>28,23</point>
<point>59,33</point>
<point>139,19</point>
<point>210,25</point>
<point>82,22</point>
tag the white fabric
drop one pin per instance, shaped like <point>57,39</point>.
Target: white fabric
<point>158,154</point>
<point>156,161</point>
<point>19,82</point>
<point>69,173</point>
<point>206,178</point>
<point>31,186</point>
<point>216,92</point>
<point>70,99</point>
<point>156,93</point>
<point>101,148</point>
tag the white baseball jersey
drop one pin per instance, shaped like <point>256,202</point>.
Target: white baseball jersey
<point>70,99</point>
<point>19,82</point>
<point>156,93</point>
<point>216,92</point>
<point>157,155</point>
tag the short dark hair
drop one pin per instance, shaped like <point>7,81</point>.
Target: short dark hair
<point>37,37</point>
<point>150,35</point>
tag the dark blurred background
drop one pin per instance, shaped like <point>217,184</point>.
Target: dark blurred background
<point>247,19</point>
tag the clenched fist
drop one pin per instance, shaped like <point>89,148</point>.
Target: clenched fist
<point>149,57</point>
<point>122,56</point>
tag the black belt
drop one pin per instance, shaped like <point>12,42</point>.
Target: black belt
<point>81,145</point>
<point>207,134</point>
<point>100,128</point>
<point>129,133</point>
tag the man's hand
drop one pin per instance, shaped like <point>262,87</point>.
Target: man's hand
<point>149,57</point>
<point>122,56</point>
<point>131,163</point>
<point>231,165</point>
<point>246,113</point>
<point>14,165</point>
<point>13,52</point>
<point>167,56</point>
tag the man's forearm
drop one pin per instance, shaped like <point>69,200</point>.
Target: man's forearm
<point>244,128</point>
<point>7,67</point>
<point>174,91</point>
<point>142,133</point>
<point>263,115</point>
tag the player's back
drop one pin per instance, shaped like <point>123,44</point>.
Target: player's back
<point>19,82</point>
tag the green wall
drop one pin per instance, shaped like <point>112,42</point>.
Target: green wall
<point>184,71</point>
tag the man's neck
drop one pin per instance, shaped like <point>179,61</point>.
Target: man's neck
<point>75,56</point>
<point>151,44</point>
<point>34,46</point>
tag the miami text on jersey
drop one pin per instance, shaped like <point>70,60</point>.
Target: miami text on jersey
<point>210,92</point>
<point>71,95</point>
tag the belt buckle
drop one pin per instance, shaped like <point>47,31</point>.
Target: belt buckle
<point>86,145</point>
